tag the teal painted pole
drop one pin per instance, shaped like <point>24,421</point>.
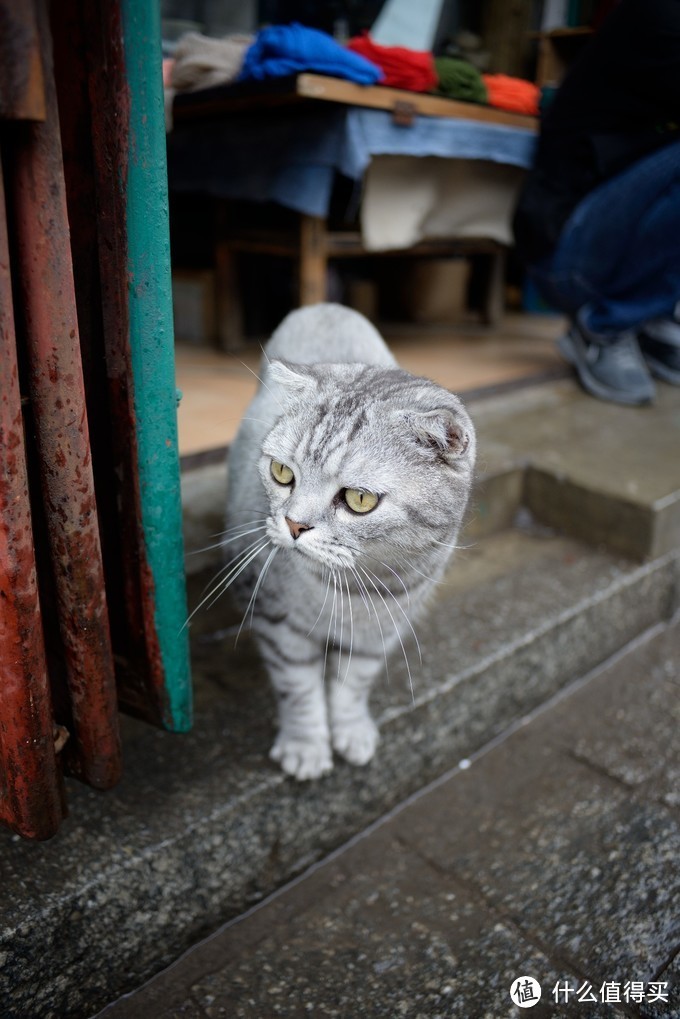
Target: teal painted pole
<point>152,350</point>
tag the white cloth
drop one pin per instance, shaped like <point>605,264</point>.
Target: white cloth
<point>202,62</point>
<point>408,199</point>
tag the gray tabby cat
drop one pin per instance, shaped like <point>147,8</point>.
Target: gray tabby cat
<point>352,476</point>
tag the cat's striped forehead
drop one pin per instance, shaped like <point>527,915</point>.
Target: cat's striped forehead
<point>327,440</point>
<point>331,430</point>
<point>353,416</point>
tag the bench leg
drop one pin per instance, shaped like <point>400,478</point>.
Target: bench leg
<point>494,294</point>
<point>228,310</point>
<point>313,265</point>
<point>228,305</point>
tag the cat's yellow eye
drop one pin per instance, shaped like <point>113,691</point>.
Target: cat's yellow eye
<point>360,502</point>
<point>281,473</point>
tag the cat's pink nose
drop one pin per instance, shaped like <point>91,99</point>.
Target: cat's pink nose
<point>296,529</point>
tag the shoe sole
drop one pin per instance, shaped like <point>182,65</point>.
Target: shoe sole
<point>565,345</point>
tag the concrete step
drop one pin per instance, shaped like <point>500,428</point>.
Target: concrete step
<point>552,855</point>
<point>604,474</point>
<point>202,826</point>
<point>597,471</point>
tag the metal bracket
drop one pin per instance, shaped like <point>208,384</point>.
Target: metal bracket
<point>403,113</point>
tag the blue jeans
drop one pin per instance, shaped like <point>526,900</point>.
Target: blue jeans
<point>617,261</point>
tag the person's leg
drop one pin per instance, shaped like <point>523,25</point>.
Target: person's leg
<point>616,268</point>
<point>619,252</point>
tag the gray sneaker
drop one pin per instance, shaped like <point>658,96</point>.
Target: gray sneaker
<point>613,370</point>
<point>660,346</point>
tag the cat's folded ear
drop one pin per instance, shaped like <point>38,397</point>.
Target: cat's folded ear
<point>288,379</point>
<point>444,432</point>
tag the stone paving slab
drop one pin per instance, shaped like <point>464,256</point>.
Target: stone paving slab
<point>539,859</point>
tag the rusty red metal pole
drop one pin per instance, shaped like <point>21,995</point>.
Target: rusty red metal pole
<point>94,113</point>
<point>108,77</point>
<point>30,782</point>
<point>55,378</point>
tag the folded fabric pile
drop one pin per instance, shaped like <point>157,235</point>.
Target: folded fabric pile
<point>280,50</point>
<point>459,80</point>
<point>203,62</point>
<point>402,68</point>
<point>513,94</point>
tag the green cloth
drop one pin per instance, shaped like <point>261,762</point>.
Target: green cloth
<point>460,80</point>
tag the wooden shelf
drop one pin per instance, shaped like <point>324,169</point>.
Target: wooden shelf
<point>318,88</point>
<point>562,33</point>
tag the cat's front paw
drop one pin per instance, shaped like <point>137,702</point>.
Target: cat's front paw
<point>303,759</point>
<point>356,741</point>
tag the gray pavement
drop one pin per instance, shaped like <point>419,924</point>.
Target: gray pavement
<point>555,854</point>
<point>552,853</point>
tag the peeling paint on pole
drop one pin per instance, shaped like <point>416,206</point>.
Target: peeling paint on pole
<point>152,348</point>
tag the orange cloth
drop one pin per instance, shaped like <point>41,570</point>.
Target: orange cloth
<point>403,68</point>
<point>514,94</point>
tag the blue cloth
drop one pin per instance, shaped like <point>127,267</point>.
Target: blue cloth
<point>617,259</point>
<point>281,50</point>
<point>292,157</point>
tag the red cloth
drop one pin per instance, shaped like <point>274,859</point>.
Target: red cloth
<point>403,68</point>
<point>514,94</point>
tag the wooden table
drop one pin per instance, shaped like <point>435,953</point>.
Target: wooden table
<point>311,244</point>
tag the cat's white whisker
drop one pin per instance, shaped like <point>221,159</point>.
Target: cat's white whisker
<point>214,583</point>
<point>239,537</point>
<point>263,384</point>
<point>362,586</point>
<point>342,624</point>
<point>342,609</point>
<point>409,567</point>
<point>396,630</point>
<point>243,534</point>
<point>265,354</point>
<point>335,609</point>
<point>362,589</point>
<point>258,421</point>
<point>253,598</point>
<point>236,571</point>
<point>331,619</point>
<point>351,629</point>
<point>225,567</point>
<point>229,540</point>
<point>242,560</point>
<point>401,609</point>
<point>394,574</point>
<point>323,605</point>
<point>235,527</point>
<point>459,548</point>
